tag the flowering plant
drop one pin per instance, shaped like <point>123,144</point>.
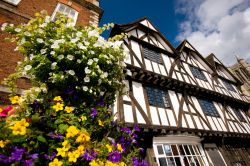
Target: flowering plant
<point>65,118</point>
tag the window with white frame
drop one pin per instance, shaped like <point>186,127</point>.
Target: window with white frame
<point>157,97</point>
<point>198,73</point>
<point>67,11</point>
<point>228,85</point>
<point>14,2</point>
<point>208,108</point>
<point>152,55</point>
<point>179,152</point>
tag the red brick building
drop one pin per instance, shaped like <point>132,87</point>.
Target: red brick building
<point>83,12</point>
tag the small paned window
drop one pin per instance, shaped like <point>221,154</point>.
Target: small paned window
<point>198,73</point>
<point>208,108</point>
<point>179,154</point>
<point>229,86</point>
<point>239,115</point>
<point>152,55</point>
<point>67,11</point>
<point>157,97</point>
<point>13,2</point>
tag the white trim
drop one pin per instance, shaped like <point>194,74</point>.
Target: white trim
<point>176,139</point>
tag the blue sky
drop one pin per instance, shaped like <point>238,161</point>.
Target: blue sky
<point>162,14</point>
<point>211,26</point>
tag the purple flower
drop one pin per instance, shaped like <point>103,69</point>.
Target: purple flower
<point>143,163</point>
<point>33,156</point>
<point>114,156</point>
<point>126,130</point>
<point>89,155</point>
<point>93,112</point>
<point>4,159</point>
<point>50,157</point>
<point>54,135</point>
<point>135,161</point>
<point>28,162</point>
<point>136,128</point>
<point>17,154</point>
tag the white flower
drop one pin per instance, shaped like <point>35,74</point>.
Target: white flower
<point>78,60</point>
<point>85,88</point>
<point>81,46</point>
<point>99,81</point>
<point>74,40</point>
<point>52,52</point>
<point>16,49</point>
<point>87,71</point>
<point>117,43</point>
<point>93,33</point>
<point>27,67</point>
<point>92,52</point>
<point>43,51</point>
<point>105,74</point>
<point>95,59</point>
<point>26,33</point>
<point>70,57</point>
<point>31,56</point>
<point>39,40</point>
<point>60,57</point>
<point>86,43</point>
<point>23,40</point>
<point>90,61</point>
<point>42,25</point>
<point>71,72</point>
<point>55,45</point>
<point>79,34</point>
<point>47,19</point>
<point>53,65</point>
<point>4,26</point>
<point>18,30</point>
<point>86,79</point>
<point>101,93</point>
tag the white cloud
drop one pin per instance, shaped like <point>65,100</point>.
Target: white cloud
<point>221,27</point>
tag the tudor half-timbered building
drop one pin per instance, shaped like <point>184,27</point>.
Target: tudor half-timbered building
<point>189,108</point>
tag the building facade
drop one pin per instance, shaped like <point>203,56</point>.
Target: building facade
<point>82,12</point>
<point>241,70</point>
<point>189,108</point>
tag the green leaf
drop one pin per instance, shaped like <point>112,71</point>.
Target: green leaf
<point>58,121</point>
<point>35,117</point>
<point>62,128</point>
<point>41,139</point>
<point>19,139</point>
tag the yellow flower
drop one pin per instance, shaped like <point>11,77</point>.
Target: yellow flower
<point>100,123</point>
<point>119,147</point>
<point>122,164</point>
<point>72,131</point>
<point>109,147</point>
<point>15,99</point>
<point>73,156</point>
<point>66,144</point>
<point>20,127</point>
<point>1,110</point>
<point>69,109</point>
<point>58,107</point>
<point>81,149</point>
<point>109,163</point>
<point>58,98</point>
<point>62,151</point>
<point>96,163</point>
<point>83,137</point>
<point>55,162</point>
<point>2,144</point>
<point>83,118</point>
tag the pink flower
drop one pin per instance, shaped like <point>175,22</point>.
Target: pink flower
<point>7,111</point>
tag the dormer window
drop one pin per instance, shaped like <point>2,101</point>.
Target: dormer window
<point>228,85</point>
<point>157,97</point>
<point>198,73</point>
<point>208,108</point>
<point>152,55</point>
<point>67,11</point>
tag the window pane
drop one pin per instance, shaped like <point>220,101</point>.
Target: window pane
<point>174,150</point>
<point>152,55</point>
<point>170,161</point>
<point>191,161</point>
<point>198,73</point>
<point>185,160</point>
<point>167,150</point>
<point>163,162</point>
<point>191,149</point>
<point>61,8</point>
<point>157,97</point>
<point>196,161</point>
<point>177,161</point>
<point>208,108</point>
<point>181,150</point>
<point>160,150</point>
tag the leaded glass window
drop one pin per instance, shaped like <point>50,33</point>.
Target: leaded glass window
<point>239,115</point>
<point>152,55</point>
<point>208,108</point>
<point>198,73</point>
<point>157,97</point>
<point>229,86</point>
